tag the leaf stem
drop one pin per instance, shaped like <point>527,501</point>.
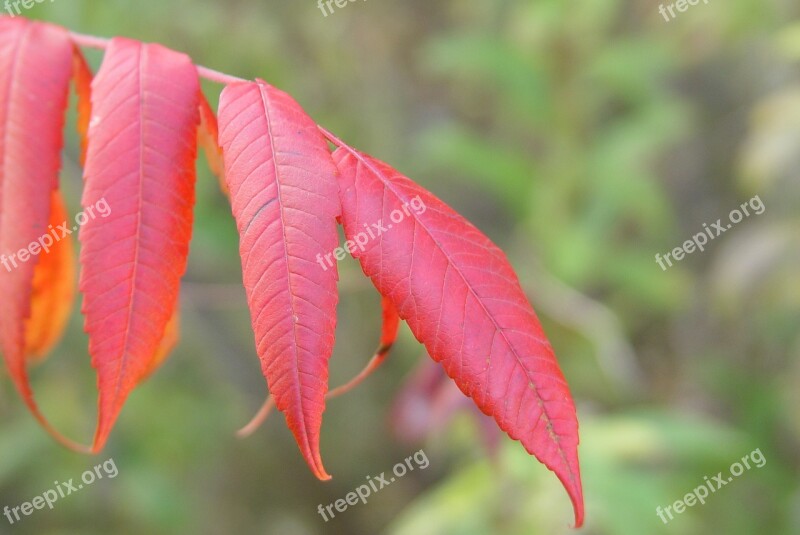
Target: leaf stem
<point>217,76</point>
<point>90,41</point>
<point>332,138</point>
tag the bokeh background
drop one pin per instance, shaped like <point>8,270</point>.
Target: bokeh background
<point>584,138</point>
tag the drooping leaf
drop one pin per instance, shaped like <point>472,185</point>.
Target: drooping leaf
<point>35,70</point>
<point>140,162</point>
<point>53,289</point>
<point>284,197</point>
<point>462,299</point>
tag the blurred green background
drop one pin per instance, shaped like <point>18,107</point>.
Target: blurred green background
<point>584,138</point>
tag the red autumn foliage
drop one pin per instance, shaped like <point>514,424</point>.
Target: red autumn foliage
<point>141,120</point>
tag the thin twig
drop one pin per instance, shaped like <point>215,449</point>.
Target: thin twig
<point>101,43</point>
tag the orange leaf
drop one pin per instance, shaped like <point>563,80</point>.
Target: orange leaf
<point>207,138</point>
<point>53,290</point>
<point>172,333</point>
<point>82,77</point>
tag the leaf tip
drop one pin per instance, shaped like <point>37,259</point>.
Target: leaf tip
<point>579,511</point>
<point>573,486</point>
<point>314,461</point>
<point>322,475</point>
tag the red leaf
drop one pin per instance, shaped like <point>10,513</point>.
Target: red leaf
<point>35,70</point>
<point>140,161</point>
<point>462,299</point>
<point>285,200</point>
